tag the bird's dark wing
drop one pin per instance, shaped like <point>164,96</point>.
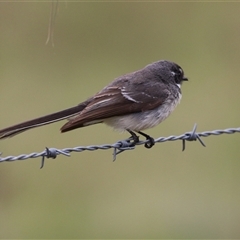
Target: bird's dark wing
<point>120,99</point>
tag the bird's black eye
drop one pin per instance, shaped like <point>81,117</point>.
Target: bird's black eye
<point>178,74</point>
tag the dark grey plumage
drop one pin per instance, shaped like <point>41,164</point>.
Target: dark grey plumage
<point>134,102</point>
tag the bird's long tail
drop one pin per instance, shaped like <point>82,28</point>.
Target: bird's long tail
<point>41,121</point>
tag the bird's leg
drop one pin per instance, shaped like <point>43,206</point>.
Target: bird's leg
<point>134,137</point>
<point>151,140</point>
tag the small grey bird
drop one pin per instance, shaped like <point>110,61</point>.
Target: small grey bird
<point>132,102</point>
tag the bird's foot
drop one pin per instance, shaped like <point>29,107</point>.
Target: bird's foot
<point>151,141</point>
<point>133,137</point>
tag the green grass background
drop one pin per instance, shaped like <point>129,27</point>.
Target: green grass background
<point>157,193</point>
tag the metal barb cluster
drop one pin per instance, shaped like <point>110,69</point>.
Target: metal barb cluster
<point>120,146</point>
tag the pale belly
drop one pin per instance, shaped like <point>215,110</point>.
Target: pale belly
<point>143,120</point>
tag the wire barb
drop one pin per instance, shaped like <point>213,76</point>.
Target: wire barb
<point>50,153</point>
<point>120,146</point>
<point>192,136</point>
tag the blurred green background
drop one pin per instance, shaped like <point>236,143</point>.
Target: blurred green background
<point>157,193</point>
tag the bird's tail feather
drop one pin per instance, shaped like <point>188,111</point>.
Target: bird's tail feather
<point>41,121</point>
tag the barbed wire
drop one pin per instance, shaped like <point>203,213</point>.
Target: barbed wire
<point>120,146</point>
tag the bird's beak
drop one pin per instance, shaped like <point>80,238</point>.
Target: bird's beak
<point>185,79</point>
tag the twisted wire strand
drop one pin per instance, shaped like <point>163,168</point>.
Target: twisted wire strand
<point>120,146</point>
